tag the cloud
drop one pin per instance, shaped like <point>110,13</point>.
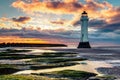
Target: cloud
<point>106,26</point>
<point>111,27</point>
<point>2,24</point>
<point>115,17</point>
<point>96,5</point>
<point>46,6</point>
<point>61,36</point>
<point>93,7</point>
<point>75,23</point>
<point>22,20</point>
<point>57,22</point>
<point>17,23</point>
<point>97,23</point>
<point>4,19</point>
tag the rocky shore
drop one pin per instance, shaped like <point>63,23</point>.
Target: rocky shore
<point>115,71</point>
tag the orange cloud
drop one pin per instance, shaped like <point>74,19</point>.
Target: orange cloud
<point>2,25</point>
<point>66,6</point>
<point>94,8</point>
<point>51,7</point>
<point>16,39</point>
<point>4,19</point>
<point>110,14</point>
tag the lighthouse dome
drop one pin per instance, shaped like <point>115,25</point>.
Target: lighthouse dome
<point>84,12</point>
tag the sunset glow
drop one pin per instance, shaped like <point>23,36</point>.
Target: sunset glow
<point>14,39</point>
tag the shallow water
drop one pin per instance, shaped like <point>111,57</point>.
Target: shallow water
<point>106,58</point>
<point>113,62</point>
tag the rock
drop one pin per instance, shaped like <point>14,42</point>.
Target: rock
<point>93,78</point>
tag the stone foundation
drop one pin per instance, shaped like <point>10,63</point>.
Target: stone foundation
<point>84,45</point>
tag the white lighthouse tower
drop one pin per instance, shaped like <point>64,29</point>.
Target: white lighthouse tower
<point>84,42</point>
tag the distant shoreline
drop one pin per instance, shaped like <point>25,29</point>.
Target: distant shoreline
<point>2,45</point>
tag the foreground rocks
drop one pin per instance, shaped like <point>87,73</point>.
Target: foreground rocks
<point>4,71</point>
<point>115,71</point>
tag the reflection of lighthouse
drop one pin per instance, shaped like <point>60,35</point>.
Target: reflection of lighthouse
<point>84,43</point>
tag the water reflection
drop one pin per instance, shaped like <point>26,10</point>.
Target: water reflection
<point>113,62</point>
<point>41,51</point>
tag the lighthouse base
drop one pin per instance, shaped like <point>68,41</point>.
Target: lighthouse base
<point>84,45</point>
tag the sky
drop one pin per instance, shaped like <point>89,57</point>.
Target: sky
<point>58,21</point>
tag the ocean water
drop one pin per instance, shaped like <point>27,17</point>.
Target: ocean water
<point>110,55</point>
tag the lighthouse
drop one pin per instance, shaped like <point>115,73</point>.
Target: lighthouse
<point>84,42</point>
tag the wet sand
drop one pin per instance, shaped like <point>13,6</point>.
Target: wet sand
<point>90,66</point>
<point>97,58</point>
